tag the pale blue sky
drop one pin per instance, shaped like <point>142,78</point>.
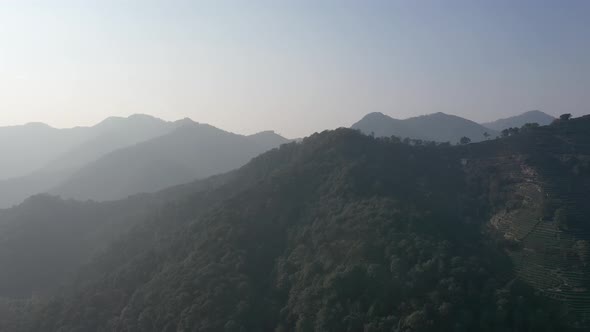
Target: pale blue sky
<point>293,66</point>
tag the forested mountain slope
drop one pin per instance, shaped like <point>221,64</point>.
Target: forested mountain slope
<point>539,184</point>
<point>46,239</point>
<point>346,232</point>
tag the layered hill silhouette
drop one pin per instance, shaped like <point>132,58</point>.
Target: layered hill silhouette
<point>438,127</point>
<point>109,135</point>
<point>29,147</point>
<point>192,151</point>
<point>37,147</point>
<point>520,120</point>
<point>341,232</point>
<point>124,156</point>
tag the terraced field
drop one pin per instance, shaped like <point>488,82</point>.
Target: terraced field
<point>546,220</point>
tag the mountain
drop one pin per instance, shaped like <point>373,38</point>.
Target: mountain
<point>46,156</point>
<point>37,147</point>
<point>190,152</point>
<point>124,156</point>
<point>14,191</point>
<point>341,232</point>
<point>29,147</point>
<point>438,127</point>
<point>46,239</point>
<point>519,120</point>
<point>109,135</point>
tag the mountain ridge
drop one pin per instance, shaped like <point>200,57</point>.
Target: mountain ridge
<point>439,127</point>
<point>349,232</point>
<point>519,120</point>
<point>191,151</point>
<point>89,145</point>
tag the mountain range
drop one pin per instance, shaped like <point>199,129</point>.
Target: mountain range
<point>438,127</point>
<point>518,121</point>
<point>340,232</point>
<point>38,147</point>
<point>193,151</point>
<point>441,127</point>
<point>124,156</point>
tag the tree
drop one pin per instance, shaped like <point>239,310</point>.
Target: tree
<point>486,135</point>
<point>529,126</point>
<point>417,142</point>
<point>510,131</point>
<point>565,117</point>
<point>465,140</point>
<point>515,130</point>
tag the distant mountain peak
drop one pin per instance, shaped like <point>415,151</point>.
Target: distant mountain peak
<point>268,136</point>
<point>38,125</point>
<point>376,116</point>
<point>534,112</point>
<point>142,116</point>
<point>534,116</point>
<point>265,133</point>
<point>110,121</point>
<point>441,115</point>
<point>190,126</point>
<point>185,122</point>
<point>134,118</point>
<point>439,126</point>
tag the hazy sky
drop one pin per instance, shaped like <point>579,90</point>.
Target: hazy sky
<point>293,66</point>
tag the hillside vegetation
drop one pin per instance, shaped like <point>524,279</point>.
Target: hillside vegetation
<point>347,232</point>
